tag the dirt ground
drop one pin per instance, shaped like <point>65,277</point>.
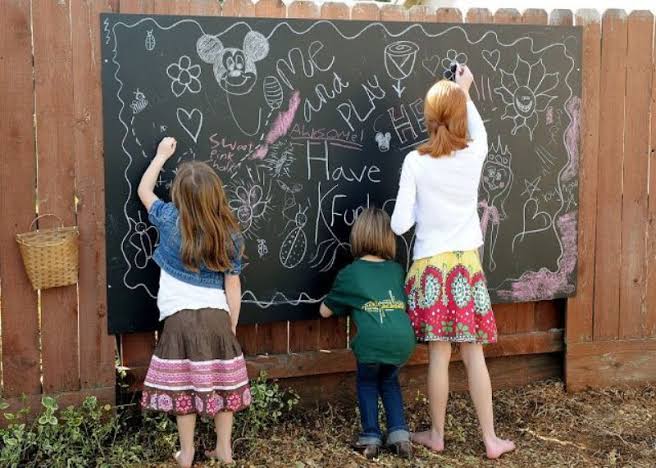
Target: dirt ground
<point>551,428</point>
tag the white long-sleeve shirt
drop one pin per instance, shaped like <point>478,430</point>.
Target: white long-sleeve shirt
<point>440,195</point>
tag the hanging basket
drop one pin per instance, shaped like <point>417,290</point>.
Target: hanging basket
<point>50,256</point>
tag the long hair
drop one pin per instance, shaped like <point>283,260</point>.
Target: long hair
<point>206,222</point>
<point>372,235</point>
<point>445,114</point>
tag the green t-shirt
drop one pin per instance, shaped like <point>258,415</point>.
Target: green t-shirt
<point>372,294</point>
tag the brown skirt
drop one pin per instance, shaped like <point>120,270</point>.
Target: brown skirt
<point>198,366</point>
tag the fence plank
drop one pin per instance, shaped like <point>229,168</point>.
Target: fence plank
<point>137,349</point>
<point>632,280</point>
<point>332,331</point>
<point>207,8</point>
<point>609,192</point>
<point>479,15</point>
<point>271,337</point>
<point>56,181</point>
<point>304,334</point>
<point>97,348</point>
<point>365,11</point>
<point>20,323</point>
<point>580,308</point>
<point>393,13</point>
<point>650,318</point>
<point>238,8</point>
<point>509,316</point>
<point>448,15</point>
<point>561,18</point>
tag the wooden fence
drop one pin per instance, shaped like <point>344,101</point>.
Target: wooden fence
<point>51,161</point>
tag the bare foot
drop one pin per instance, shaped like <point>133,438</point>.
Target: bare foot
<point>429,439</point>
<point>184,459</point>
<point>215,455</point>
<point>497,447</point>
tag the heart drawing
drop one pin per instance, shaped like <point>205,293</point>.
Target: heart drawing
<point>492,57</point>
<point>534,221</point>
<point>191,122</point>
<point>431,65</point>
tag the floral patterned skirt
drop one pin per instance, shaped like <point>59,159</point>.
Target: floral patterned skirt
<point>198,366</point>
<point>448,299</point>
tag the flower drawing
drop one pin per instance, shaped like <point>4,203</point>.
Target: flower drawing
<point>184,76</point>
<point>452,57</point>
<point>526,92</point>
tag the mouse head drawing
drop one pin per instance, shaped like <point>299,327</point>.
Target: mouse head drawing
<point>234,68</point>
<point>383,140</point>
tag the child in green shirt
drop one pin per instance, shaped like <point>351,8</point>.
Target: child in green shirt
<point>370,290</point>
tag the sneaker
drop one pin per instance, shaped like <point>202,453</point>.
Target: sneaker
<point>402,449</point>
<point>368,451</point>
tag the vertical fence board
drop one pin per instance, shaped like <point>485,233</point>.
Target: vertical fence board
<point>304,334</point>
<point>393,13</point>
<point>365,11</point>
<point>20,325</point>
<point>609,194</point>
<point>650,318</point>
<point>632,280</point>
<point>206,8</point>
<point>508,315</point>
<point>561,18</point>
<point>579,323</point>
<point>479,15</point>
<point>448,15</point>
<point>238,8</point>
<point>56,181</point>
<point>271,337</point>
<point>332,331</point>
<point>96,346</point>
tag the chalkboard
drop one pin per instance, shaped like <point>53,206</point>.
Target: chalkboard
<point>308,121</point>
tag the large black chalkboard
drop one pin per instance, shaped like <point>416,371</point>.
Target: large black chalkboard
<point>306,121</point>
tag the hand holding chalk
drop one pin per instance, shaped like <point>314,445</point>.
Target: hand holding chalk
<point>166,147</point>
<point>464,77</point>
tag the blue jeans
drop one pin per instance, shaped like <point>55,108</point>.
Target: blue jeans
<point>374,380</point>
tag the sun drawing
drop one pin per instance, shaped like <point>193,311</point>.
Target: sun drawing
<point>525,92</point>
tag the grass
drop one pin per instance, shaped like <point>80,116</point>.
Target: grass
<point>550,427</point>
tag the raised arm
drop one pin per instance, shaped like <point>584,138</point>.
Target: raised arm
<point>403,217</point>
<point>476,130</point>
<point>146,188</point>
<point>475,125</point>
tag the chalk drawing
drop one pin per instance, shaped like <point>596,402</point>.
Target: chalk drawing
<point>294,247</point>
<point>400,60</point>
<point>150,41</point>
<point>524,92</point>
<point>383,140</point>
<point>262,249</point>
<point>184,76</point>
<point>139,103</point>
<point>432,65</point>
<point>280,126</point>
<point>190,121</point>
<point>144,239</point>
<point>452,57</point>
<point>492,57</point>
<point>234,68</point>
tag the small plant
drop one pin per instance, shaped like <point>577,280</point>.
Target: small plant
<point>270,403</point>
<point>104,436</point>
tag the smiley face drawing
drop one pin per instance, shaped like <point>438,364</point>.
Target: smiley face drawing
<point>234,68</point>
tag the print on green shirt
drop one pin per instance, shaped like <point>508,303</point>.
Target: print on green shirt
<point>381,307</point>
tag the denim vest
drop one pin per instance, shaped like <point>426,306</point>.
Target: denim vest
<point>164,216</point>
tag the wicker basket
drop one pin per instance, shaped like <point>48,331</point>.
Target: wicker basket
<point>50,256</point>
